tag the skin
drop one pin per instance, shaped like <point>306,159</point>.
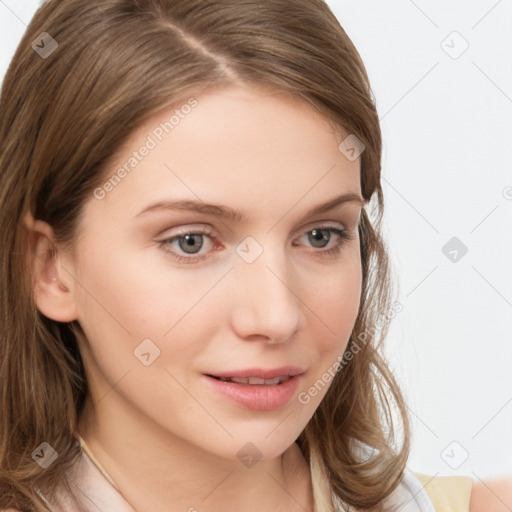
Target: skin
<point>169,441</point>
<point>493,495</point>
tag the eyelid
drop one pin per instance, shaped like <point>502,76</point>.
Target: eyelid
<point>206,229</point>
<point>322,223</point>
<point>203,229</point>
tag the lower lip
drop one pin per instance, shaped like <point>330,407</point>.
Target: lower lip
<point>255,396</point>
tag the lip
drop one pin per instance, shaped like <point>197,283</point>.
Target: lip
<point>283,371</point>
<point>256,397</point>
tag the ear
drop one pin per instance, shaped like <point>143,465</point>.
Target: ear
<point>53,283</point>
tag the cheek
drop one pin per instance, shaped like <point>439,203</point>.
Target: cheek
<point>336,310</point>
<point>136,290</point>
<point>334,296</point>
<point>334,305</point>
<point>126,300</point>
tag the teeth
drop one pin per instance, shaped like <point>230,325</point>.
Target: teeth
<point>267,382</point>
<point>255,380</point>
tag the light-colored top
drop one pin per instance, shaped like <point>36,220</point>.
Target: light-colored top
<point>448,493</point>
<point>96,490</point>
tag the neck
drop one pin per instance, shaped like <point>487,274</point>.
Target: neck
<point>156,471</point>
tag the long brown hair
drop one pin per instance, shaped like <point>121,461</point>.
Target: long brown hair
<point>112,64</point>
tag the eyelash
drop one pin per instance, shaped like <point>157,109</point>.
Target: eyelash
<point>344,235</point>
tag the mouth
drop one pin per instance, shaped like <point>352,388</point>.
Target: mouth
<point>258,376</point>
<point>267,390</point>
<point>253,381</point>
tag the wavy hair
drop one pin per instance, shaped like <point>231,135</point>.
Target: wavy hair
<point>64,115</point>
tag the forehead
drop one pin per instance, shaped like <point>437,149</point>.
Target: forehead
<point>238,145</point>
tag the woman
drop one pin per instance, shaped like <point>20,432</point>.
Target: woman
<point>191,277</point>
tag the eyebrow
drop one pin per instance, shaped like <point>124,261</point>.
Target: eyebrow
<point>227,213</point>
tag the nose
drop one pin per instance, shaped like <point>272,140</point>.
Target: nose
<point>266,304</point>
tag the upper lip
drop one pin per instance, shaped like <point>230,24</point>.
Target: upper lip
<point>262,373</point>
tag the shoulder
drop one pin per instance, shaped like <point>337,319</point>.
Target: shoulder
<point>492,496</point>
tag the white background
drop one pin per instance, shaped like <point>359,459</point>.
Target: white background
<point>447,172</point>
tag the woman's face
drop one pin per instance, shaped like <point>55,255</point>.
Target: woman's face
<point>277,287</point>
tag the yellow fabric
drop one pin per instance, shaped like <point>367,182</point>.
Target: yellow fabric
<point>447,493</point>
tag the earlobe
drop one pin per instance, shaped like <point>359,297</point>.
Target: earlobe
<point>52,284</point>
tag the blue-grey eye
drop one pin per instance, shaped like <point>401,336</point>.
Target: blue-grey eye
<point>320,235</point>
<point>191,243</point>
